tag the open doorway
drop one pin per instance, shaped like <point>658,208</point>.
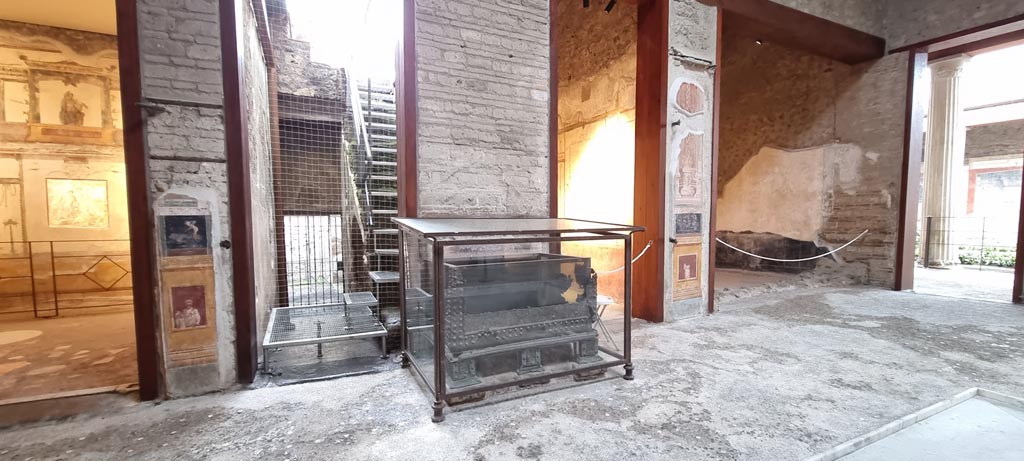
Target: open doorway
<point>67,325</point>
<point>332,274</point>
<point>971,165</point>
<point>596,67</point>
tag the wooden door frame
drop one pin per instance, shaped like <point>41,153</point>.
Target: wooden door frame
<point>984,37</point>
<point>140,214</point>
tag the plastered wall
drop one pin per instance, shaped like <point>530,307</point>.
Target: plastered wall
<point>693,32</point>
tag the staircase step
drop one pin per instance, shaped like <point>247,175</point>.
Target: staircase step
<point>386,212</point>
<point>386,231</point>
<point>383,163</point>
<point>379,105</point>
<point>383,114</point>
<point>386,251</point>
<point>375,177</point>
<point>384,137</point>
<point>385,150</point>
<point>381,126</point>
<point>377,193</point>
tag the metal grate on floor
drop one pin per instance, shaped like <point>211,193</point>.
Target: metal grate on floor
<point>319,324</point>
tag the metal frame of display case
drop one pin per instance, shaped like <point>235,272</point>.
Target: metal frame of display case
<point>439,240</point>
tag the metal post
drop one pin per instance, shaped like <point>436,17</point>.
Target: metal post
<point>927,243</point>
<point>439,356</point>
<point>402,300</point>
<point>981,255</point>
<point>627,306</point>
<point>53,274</point>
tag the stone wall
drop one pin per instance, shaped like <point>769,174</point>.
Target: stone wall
<point>913,21</point>
<point>596,135</point>
<point>180,54</point>
<point>995,139</point>
<point>482,82</point>
<point>863,15</point>
<point>257,105</point>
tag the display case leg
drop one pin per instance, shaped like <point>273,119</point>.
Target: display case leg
<point>384,347</point>
<point>438,411</point>
<point>405,360</point>
<point>629,372</point>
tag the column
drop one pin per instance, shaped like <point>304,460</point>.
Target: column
<point>945,175</point>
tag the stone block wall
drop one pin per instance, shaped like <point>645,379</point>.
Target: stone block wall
<point>180,47</point>
<point>482,120</point>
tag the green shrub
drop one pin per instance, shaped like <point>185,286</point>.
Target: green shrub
<point>989,256</point>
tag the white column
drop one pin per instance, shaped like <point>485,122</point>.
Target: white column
<point>945,184</point>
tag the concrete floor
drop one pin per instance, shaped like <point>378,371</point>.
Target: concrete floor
<point>777,376</point>
<point>992,284</point>
<point>66,354</point>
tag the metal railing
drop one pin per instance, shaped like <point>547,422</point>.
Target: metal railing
<point>981,241</point>
<point>62,274</point>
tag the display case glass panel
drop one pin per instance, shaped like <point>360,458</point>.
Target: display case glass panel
<point>509,307</point>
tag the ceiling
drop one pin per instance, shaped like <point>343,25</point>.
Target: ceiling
<point>88,15</point>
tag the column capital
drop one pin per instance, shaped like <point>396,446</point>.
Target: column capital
<point>949,67</point>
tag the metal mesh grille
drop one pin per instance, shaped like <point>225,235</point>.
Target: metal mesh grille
<point>335,181</point>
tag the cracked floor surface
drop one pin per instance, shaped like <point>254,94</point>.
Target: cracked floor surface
<point>779,376</point>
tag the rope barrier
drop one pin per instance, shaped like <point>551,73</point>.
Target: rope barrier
<point>794,260</point>
<point>649,243</point>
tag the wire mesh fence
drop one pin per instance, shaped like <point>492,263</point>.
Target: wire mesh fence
<point>975,241</point>
<point>335,182</point>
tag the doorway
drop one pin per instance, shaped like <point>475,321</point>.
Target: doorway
<point>979,166</point>
<point>67,321</point>
<point>596,71</point>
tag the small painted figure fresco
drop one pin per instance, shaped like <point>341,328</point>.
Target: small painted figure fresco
<point>188,307</point>
<point>185,235</point>
<point>72,111</point>
<point>687,269</point>
<point>78,203</point>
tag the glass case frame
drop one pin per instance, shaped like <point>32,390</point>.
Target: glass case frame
<point>441,233</point>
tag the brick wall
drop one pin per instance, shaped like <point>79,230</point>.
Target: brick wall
<point>482,82</point>
<point>180,46</point>
<point>995,139</point>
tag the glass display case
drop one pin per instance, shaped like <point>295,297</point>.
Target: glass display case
<point>493,303</point>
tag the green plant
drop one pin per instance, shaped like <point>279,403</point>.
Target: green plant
<point>988,256</point>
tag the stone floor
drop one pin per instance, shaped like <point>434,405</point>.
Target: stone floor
<point>993,284</point>
<point>66,354</point>
<point>777,376</point>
